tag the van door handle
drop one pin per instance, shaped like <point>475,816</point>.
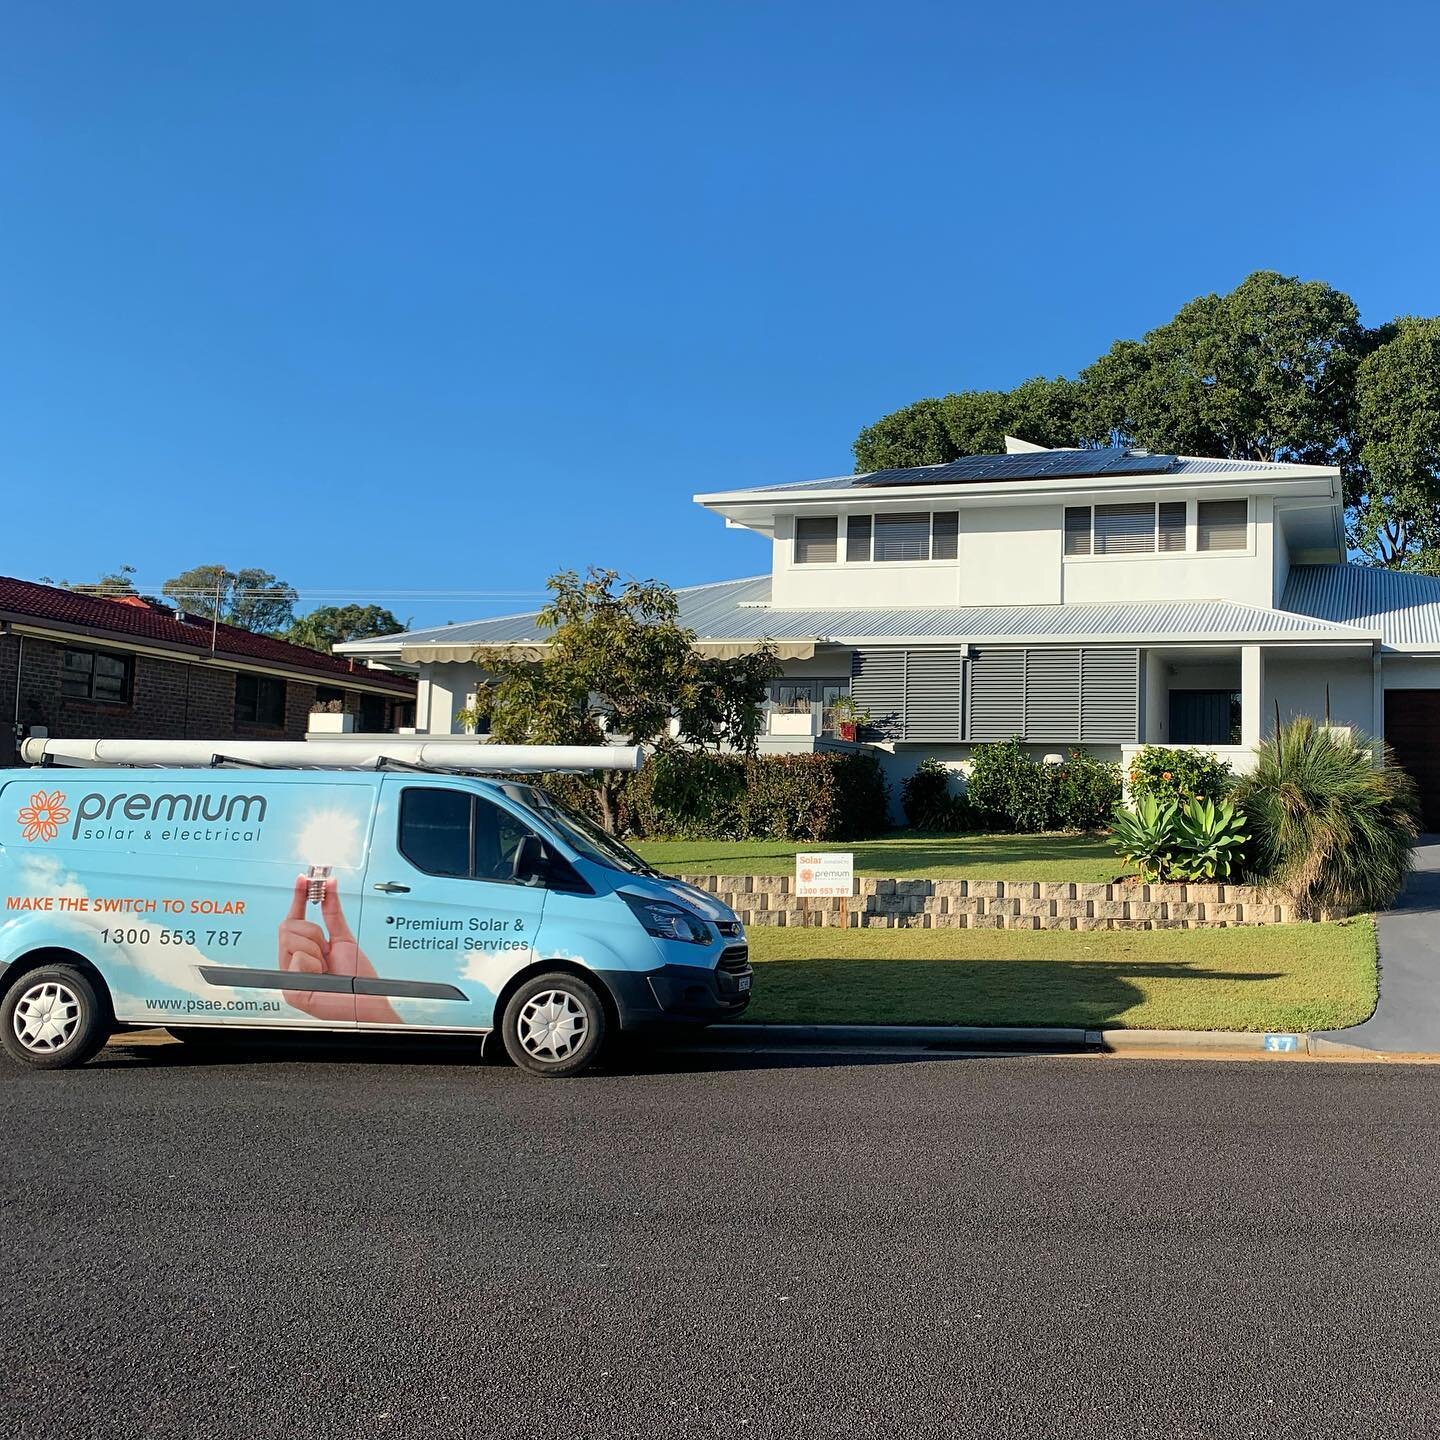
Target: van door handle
<point>389,887</point>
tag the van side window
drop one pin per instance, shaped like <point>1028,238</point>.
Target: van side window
<point>451,832</point>
<point>435,830</point>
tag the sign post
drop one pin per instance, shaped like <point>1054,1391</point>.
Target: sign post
<point>826,875</point>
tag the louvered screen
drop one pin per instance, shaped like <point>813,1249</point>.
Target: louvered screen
<point>997,695</point>
<point>1109,696</point>
<point>1220,525</point>
<point>1124,529</point>
<point>902,537</point>
<point>877,684</point>
<point>1172,525</point>
<point>934,695</point>
<point>1052,696</point>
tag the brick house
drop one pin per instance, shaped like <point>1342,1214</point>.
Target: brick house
<point>85,666</point>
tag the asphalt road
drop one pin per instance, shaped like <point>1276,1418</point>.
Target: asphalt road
<point>412,1246</point>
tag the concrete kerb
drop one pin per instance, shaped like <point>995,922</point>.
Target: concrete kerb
<point>1194,1044</point>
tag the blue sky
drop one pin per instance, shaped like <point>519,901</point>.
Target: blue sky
<point>443,297</point>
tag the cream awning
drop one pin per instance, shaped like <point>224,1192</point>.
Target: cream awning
<point>478,654</point>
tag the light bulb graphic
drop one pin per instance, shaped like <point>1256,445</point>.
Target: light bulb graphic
<point>317,875</point>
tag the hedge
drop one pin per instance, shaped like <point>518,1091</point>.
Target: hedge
<point>701,795</point>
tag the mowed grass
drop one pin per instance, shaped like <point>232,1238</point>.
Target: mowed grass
<point>1080,858</point>
<point>1282,977</point>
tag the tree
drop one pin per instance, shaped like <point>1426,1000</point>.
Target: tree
<point>618,661</point>
<point>250,599</point>
<point>114,582</point>
<point>1265,372</point>
<point>1396,520</point>
<point>330,625</point>
<point>976,422</point>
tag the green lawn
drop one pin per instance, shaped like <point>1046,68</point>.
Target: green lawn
<point>1282,977</point>
<point>1082,858</point>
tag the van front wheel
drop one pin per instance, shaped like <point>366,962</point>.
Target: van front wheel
<point>554,1024</point>
<point>53,1018</point>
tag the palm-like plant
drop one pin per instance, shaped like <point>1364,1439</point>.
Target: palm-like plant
<point>1334,818</point>
<point>1208,841</point>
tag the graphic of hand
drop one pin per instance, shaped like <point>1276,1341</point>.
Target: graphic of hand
<point>306,949</point>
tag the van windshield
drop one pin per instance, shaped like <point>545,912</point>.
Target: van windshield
<point>583,833</point>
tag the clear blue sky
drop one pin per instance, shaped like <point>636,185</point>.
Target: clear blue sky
<point>447,296</point>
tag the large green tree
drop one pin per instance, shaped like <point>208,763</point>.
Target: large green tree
<point>330,625</point>
<point>250,599</point>
<point>616,660</point>
<point>1396,519</point>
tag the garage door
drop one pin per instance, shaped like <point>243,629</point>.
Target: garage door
<point>1412,726</point>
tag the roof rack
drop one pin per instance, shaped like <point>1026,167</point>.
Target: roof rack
<point>440,755</point>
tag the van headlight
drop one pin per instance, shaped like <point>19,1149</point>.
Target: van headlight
<point>667,921</point>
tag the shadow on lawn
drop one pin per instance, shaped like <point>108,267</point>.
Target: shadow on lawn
<point>1087,993</point>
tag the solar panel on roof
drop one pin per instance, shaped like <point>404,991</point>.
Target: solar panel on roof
<point>1037,465</point>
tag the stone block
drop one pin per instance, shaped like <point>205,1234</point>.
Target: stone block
<point>1057,890</point>
<point>884,887</point>
<point>1002,906</point>
<point>1185,910</point>
<point>1224,914</point>
<point>1076,909</point>
<point>1108,910</point>
<point>1025,922</point>
<point>949,888</point>
<point>1145,911</point>
<point>1037,908</point>
<point>987,888</point>
<point>985,922</point>
<point>1057,922</point>
<point>967,905</point>
<point>1203,894</point>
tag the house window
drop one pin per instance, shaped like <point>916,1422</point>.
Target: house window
<point>815,539</point>
<point>372,714</point>
<point>97,675</point>
<point>902,537</point>
<point>857,538</point>
<point>1124,529</point>
<point>1077,529</point>
<point>1220,524</point>
<point>945,535</point>
<point>1172,525</point>
<point>260,700</point>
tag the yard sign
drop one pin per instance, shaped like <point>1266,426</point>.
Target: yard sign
<point>825,874</point>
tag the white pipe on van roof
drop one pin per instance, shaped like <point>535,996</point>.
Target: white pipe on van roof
<point>360,753</point>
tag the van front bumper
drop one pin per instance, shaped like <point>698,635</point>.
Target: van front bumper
<point>679,994</point>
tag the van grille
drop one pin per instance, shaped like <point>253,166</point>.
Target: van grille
<point>735,960</point>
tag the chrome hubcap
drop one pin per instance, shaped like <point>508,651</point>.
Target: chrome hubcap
<point>46,1017</point>
<point>553,1025</point>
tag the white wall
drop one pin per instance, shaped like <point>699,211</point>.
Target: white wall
<point>444,689</point>
<point>1010,556</point>
<point>1299,682</point>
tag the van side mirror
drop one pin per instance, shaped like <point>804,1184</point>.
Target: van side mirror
<point>531,865</point>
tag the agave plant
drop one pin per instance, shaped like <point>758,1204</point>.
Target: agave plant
<point>1334,818</point>
<point>1145,836</point>
<point>1208,841</point>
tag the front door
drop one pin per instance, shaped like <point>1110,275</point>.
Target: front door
<point>1412,728</point>
<point>443,925</point>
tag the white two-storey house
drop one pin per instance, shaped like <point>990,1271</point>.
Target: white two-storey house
<point>1102,598</point>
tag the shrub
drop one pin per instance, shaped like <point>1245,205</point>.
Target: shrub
<point>930,804</point>
<point>1178,775</point>
<point>1145,836</point>
<point>701,795</point>
<point>1330,827</point>
<point>1007,789</point>
<point>1084,792</point>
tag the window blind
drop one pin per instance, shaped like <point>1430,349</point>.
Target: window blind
<point>945,535</point>
<point>1124,529</point>
<point>815,539</point>
<point>857,538</point>
<point>1077,529</point>
<point>1172,525</point>
<point>1221,525</point>
<point>902,537</point>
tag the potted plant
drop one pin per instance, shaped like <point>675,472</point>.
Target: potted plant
<point>849,718</point>
<point>328,717</point>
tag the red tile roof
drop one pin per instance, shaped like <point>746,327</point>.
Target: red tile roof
<point>138,619</point>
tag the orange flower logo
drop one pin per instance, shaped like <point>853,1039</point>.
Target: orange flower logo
<point>42,818</point>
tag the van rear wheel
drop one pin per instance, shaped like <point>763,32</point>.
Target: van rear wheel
<point>53,1018</point>
<point>554,1024</point>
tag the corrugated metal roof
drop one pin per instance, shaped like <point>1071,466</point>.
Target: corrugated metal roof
<point>739,610</point>
<point>1174,469</point>
<point>1404,608</point>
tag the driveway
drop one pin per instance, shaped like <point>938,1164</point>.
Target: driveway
<point>1407,1019</point>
